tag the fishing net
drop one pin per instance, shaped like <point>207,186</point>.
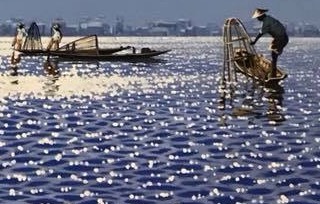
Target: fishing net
<point>33,40</point>
<point>88,44</point>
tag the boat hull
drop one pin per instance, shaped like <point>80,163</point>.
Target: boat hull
<point>108,57</point>
<point>106,51</point>
<point>258,68</point>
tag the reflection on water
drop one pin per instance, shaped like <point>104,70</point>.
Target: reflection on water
<point>51,85</point>
<point>274,96</point>
<point>51,68</point>
<point>77,80</point>
<point>158,132</point>
<point>15,59</point>
<point>249,101</point>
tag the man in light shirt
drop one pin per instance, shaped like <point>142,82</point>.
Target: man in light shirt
<point>277,30</point>
<point>19,36</point>
<point>56,38</point>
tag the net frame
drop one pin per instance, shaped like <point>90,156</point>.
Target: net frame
<point>88,44</point>
<point>33,39</point>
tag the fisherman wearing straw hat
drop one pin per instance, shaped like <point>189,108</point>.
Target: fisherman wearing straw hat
<point>277,30</point>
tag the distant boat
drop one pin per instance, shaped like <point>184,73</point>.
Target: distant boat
<point>84,56</point>
<point>84,45</point>
<point>85,48</point>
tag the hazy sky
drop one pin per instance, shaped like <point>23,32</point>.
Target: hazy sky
<point>139,12</point>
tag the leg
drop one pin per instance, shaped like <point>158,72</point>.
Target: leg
<point>55,45</point>
<point>274,56</point>
<point>19,44</point>
<point>14,42</point>
<point>13,58</point>
<point>50,45</point>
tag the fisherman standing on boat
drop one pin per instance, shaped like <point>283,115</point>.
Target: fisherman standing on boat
<point>19,36</point>
<point>56,38</point>
<point>277,30</point>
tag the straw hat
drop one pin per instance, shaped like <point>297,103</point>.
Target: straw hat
<point>259,12</point>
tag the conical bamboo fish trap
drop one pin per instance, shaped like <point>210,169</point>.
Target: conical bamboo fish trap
<point>33,40</point>
<point>240,55</point>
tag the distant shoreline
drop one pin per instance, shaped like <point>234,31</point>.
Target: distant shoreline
<point>153,36</point>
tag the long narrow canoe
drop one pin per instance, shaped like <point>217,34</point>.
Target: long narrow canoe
<point>87,45</point>
<point>104,51</point>
<point>108,57</point>
<point>83,49</point>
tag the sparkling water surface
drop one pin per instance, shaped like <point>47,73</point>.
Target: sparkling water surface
<point>163,131</point>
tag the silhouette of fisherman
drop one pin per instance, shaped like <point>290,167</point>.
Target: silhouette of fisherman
<point>277,30</point>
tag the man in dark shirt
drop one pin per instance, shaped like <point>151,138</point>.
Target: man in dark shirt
<point>277,30</point>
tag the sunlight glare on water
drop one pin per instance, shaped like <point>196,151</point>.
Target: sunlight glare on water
<point>150,132</point>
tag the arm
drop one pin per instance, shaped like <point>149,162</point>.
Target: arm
<point>25,32</point>
<point>14,40</point>
<point>266,28</point>
<point>257,38</point>
<point>60,33</point>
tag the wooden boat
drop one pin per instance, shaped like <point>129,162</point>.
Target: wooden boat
<point>257,67</point>
<point>104,51</point>
<point>83,49</point>
<point>108,57</point>
<point>242,56</point>
<point>84,45</point>
<point>86,49</point>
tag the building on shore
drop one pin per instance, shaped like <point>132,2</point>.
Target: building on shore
<point>181,27</point>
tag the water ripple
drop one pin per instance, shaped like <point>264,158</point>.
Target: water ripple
<point>160,132</point>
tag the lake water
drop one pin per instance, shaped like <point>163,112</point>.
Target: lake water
<point>160,132</point>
